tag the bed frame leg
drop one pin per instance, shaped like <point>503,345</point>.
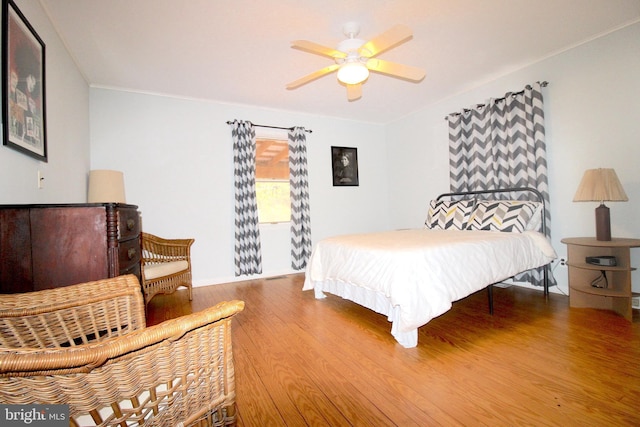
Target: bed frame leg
<point>546,280</point>
<point>490,295</point>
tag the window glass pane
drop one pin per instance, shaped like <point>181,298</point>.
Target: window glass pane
<point>272,179</point>
<point>274,204</point>
<point>272,159</point>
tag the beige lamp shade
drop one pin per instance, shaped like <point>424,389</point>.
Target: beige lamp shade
<point>106,186</point>
<point>600,185</point>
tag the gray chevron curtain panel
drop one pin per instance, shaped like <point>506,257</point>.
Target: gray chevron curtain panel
<point>299,191</point>
<point>248,252</point>
<point>501,144</point>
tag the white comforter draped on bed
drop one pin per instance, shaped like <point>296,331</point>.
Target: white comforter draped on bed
<point>413,276</point>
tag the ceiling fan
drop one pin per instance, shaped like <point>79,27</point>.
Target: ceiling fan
<point>354,58</point>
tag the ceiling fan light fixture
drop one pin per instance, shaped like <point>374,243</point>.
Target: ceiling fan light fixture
<point>355,58</point>
<point>352,73</point>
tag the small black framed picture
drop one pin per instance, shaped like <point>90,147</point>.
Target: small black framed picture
<point>23,84</point>
<point>344,163</point>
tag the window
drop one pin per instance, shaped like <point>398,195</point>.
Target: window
<point>272,180</point>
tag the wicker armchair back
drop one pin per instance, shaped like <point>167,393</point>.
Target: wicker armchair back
<point>71,315</point>
<point>61,350</point>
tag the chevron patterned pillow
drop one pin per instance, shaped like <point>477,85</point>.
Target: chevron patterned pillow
<point>507,215</point>
<point>448,214</point>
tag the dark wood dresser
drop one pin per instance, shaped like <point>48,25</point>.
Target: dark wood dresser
<point>48,246</point>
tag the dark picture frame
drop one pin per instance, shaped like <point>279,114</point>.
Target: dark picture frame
<point>23,85</point>
<point>344,166</point>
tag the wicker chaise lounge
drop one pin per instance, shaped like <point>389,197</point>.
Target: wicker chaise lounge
<point>87,346</point>
<point>166,265</point>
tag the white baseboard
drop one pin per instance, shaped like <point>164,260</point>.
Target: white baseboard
<point>221,280</point>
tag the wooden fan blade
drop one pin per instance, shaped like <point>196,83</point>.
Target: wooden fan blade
<point>386,40</point>
<point>406,72</point>
<point>318,49</point>
<point>354,92</point>
<point>311,77</point>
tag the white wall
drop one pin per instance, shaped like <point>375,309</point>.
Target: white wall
<point>177,158</point>
<point>592,112</point>
<point>67,100</point>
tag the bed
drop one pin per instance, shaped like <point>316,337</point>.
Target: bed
<point>412,276</point>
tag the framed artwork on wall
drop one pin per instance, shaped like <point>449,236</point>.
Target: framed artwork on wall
<point>344,162</point>
<point>23,84</point>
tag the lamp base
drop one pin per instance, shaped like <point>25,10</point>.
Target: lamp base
<point>603,223</point>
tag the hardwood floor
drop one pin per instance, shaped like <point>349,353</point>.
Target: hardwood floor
<point>301,361</point>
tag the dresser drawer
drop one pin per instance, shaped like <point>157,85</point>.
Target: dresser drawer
<point>128,254</point>
<point>128,223</point>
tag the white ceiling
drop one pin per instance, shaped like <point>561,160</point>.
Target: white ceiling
<point>239,51</point>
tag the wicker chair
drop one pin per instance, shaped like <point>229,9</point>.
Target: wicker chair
<point>87,346</point>
<point>166,265</point>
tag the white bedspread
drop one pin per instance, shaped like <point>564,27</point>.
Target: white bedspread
<point>412,276</point>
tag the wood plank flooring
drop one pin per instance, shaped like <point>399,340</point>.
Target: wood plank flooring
<point>307,362</point>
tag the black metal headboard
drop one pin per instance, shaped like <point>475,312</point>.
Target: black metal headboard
<point>534,196</point>
<point>537,197</point>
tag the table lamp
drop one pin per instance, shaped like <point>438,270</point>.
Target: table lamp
<point>601,185</point>
<point>106,186</point>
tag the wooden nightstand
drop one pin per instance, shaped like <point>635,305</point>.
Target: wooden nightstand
<point>616,293</point>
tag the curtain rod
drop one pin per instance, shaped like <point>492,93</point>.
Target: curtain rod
<point>466,110</point>
<point>272,127</point>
